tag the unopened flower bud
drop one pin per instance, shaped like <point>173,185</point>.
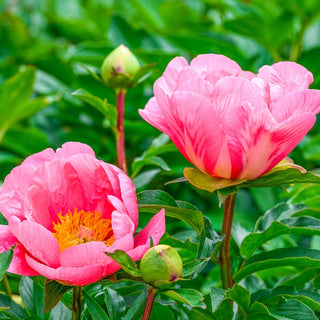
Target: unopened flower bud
<point>161,265</point>
<point>119,67</point>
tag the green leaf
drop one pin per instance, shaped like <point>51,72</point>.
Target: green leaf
<point>279,176</point>
<point>145,177</point>
<point>293,310</point>
<point>143,73</point>
<point>92,73</point>
<point>5,260</point>
<point>94,308</point>
<point>116,305</point>
<point>12,307</point>
<point>294,257</point>
<point>126,263</point>
<point>208,183</point>
<point>259,311</point>
<point>155,200</point>
<point>209,240</point>
<point>60,312</point>
<point>194,267</point>
<point>108,110</point>
<point>137,307</point>
<point>14,99</point>
<point>273,296</point>
<point>217,296</point>
<point>241,296</point>
<point>32,295</point>
<point>191,297</point>
<point>53,293</point>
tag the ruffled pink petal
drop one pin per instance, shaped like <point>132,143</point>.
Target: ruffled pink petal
<point>285,77</point>
<point>296,102</point>
<point>37,240</point>
<point>288,135</point>
<point>196,139</point>
<point>58,183</point>
<point>93,253</point>
<point>244,113</point>
<point>93,183</point>
<point>173,70</point>
<point>122,224</point>
<point>13,189</point>
<point>35,160</point>
<point>210,63</point>
<point>155,229</point>
<point>18,263</point>
<point>70,149</point>
<point>77,276</point>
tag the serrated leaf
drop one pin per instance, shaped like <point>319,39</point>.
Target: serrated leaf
<point>156,200</point>
<point>126,263</point>
<point>115,303</point>
<point>53,293</point>
<point>191,297</point>
<point>5,260</point>
<point>108,110</point>
<point>294,257</point>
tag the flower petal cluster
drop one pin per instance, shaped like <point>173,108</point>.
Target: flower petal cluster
<point>65,209</point>
<point>231,123</point>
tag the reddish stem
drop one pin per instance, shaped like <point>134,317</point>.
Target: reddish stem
<point>121,153</point>
<point>225,261</point>
<point>150,300</point>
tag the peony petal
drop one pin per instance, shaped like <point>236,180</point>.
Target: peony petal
<point>18,263</point>
<point>58,182</point>
<point>76,276</point>
<point>272,147</point>
<point>173,70</point>
<point>155,229</point>
<point>13,189</point>
<point>36,239</point>
<point>198,139</point>
<point>296,102</point>
<point>209,63</point>
<point>122,224</point>
<point>70,149</point>
<point>285,77</point>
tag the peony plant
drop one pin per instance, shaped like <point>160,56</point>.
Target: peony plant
<point>65,210</point>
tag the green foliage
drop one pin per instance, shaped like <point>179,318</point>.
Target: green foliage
<point>52,48</point>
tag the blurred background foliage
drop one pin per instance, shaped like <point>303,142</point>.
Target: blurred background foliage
<point>57,37</point>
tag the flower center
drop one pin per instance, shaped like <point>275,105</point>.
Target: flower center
<point>80,227</point>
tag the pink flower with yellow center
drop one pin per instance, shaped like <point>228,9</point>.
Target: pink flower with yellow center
<point>65,209</point>
<point>231,123</point>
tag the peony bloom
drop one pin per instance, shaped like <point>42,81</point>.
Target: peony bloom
<point>230,123</point>
<point>65,209</point>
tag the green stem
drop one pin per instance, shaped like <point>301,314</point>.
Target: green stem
<point>224,257</point>
<point>76,303</point>
<point>121,153</point>
<point>150,300</point>
<point>6,285</point>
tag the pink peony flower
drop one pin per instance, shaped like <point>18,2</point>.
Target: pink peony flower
<point>231,123</point>
<point>65,209</point>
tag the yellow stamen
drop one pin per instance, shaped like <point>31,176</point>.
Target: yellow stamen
<point>82,226</point>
